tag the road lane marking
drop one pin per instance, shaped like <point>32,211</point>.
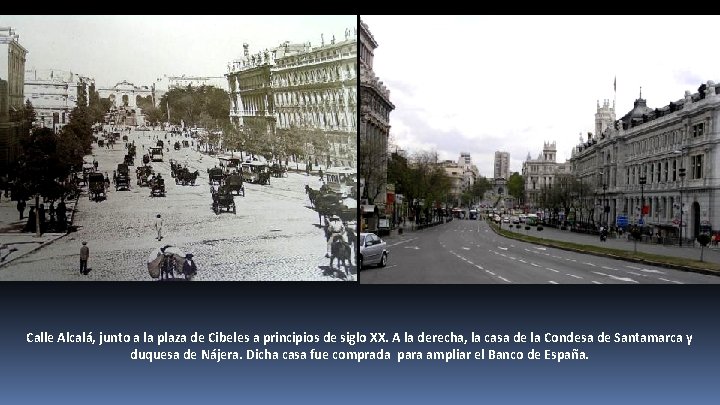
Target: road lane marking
<point>572,275</point>
<point>556,271</point>
<point>479,267</point>
<point>504,279</point>
<point>533,264</point>
<point>634,273</point>
<point>628,279</point>
<point>601,274</point>
<point>553,282</point>
<point>557,257</point>
<point>608,268</point>
<point>590,264</point>
<point>466,248</point>
<point>491,273</point>
<point>632,267</point>
<point>596,282</point>
<point>670,281</point>
<point>412,247</point>
<point>502,248</point>
<point>652,271</point>
<point>541,248</point>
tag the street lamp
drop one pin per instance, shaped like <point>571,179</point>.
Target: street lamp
<point>643,180</point>
<point>605,207</point>
<point>682,182</point>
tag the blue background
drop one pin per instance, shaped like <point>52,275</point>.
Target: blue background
<point>36,373</point>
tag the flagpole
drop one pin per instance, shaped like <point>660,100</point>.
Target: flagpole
<point>614,91</point>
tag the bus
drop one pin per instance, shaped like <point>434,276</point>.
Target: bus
<point>341,179</point>
<point>531,219</point>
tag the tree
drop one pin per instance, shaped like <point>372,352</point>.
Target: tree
<point>516,186</point>
<point>29,114</point>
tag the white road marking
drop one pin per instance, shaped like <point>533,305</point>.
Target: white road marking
<point>601,274</point>
<point>535,265</point>
<point>634,273</point>
<point>633,267</point>
<point>503,255</point>
<point>502,248</point>
<point>596,282</point>
<point>466,248</point>
<point>556,271</point>
<point>572,275</point>
<point>504,279</point>
<point>541,248</point>
<point>479,267</point>
<point>412,247</point>
<point>491,273</point>
<point>552,282</point>
<point>652,271</point>
<point>557,257</point>
<point>470,263</point>
<point>590,264</point>
<point>628,279</point>
<point>608,268</point>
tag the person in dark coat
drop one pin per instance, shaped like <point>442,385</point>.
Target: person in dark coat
<point>189,267</point>
<point>41,215</point>
<point>84,256</point>
<point>21,207</point>
<point>60,213</point>
<point>31,222</point>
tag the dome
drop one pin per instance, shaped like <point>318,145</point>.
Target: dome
<point>640,108</point>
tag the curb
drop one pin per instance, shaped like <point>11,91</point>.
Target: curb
<point>550,243</point>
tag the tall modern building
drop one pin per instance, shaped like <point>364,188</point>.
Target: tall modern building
<point>657,166</point>
<point>12,78</point>
<point>303,87</point>
<point>375,108</point>
<point>502,165</point>
<point>54,94</point>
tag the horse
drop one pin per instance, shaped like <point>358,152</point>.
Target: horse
<point>341,251</point>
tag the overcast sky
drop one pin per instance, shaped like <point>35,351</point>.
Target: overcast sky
<point>140,49</point>
<point>480,84</point>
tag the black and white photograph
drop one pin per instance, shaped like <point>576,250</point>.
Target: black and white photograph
<point>176,148</point>
<point>539,150</point>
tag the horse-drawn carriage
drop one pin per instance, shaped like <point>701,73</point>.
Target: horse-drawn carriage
<point>185,144</point>
<point>184,176</point>
<point>101,142</point>
<point>216,176</point>
<point>129,160</point>
<point>143,175</point>
<point>146,159</point>
<point>223,199</point>
<point>156,154</point>
<point>157,187</point>
<point>256,172</point>
<point>96,186</point>
<point>125,138</point>
<point>122,178</point>
<point>177,146</point>
<point>131,150</point>
<point>234,183</point>
<point>160,144</point>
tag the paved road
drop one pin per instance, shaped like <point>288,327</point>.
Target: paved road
<point>273,236</point>
<point>470,252</point>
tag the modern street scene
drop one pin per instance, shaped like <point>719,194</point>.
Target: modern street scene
<point>243,172</point>
<point>529,167</point>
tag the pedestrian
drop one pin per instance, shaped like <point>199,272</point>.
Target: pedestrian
<point>84,256</point>
<point>41,215</point>
<point>158,226</point>
<point>189,267</point>
<point>30,225</point>
<point>21,207</point>
<point>335,229</point>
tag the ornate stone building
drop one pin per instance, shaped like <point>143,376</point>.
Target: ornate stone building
<point>125,94</point>
<point>375,108</point>
<point>298,86</point>
<point>539,174</point>
<point>12,79</point>
<point>637,161</point>
<point>54,94</point>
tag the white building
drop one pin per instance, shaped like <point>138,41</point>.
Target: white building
<point>638,160</point>
<point>54,94</point>
<point>540,173</point>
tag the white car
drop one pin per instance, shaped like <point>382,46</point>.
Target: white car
<point>372,250</point>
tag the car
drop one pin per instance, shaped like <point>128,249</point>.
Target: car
<point>373,250</point>
<point>506,220</point>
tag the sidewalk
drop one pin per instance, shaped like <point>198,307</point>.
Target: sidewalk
<point>13,242</point>
<point>711,253</point>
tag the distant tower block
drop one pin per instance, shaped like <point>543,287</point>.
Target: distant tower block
<point>605,117</point>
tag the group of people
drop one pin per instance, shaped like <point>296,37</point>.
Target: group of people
<point>56,222</point>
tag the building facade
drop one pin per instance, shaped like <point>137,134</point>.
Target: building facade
<point>12,78</point>
<point>539,174</point>
<point>375,108</point>
<point>296,86</point>
<point>634,166</point>
<point>125,94</point>
<point>54,94</point>
<point>502,165</point>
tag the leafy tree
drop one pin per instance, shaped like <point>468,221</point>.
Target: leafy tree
<point>516,186</point>
<point>29,114</point>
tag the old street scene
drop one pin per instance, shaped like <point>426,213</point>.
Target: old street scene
<point>554,162</point>
<point>241,168</point>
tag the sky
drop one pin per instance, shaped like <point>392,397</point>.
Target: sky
<point>141,49</point>
<point>481,84</point>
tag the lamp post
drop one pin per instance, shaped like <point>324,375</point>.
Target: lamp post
<point>605,207</point>
<point>643,180</point>
<point>682,183</point>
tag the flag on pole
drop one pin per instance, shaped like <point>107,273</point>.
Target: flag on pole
<point>615,84</point>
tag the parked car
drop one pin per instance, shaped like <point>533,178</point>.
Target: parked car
<point>373,250</point>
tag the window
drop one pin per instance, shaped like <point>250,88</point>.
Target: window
<point>698,129</point>
<point>697,172</point>
<point>674,170</point>
<point>665,177</point>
